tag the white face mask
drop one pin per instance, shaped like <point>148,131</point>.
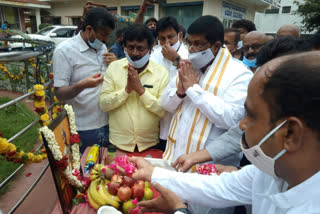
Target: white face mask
<point>138,63</point>
<point>257,157</point>
<point>201,59</point>
<point>177,45</point>
<point>240,44</point>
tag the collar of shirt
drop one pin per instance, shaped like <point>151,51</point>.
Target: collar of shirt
<point>297,195</point>
<point>148,68</point>
<point>82,44</point>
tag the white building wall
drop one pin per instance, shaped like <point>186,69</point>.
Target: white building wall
<point>66,9</point>
<point>270,23</point>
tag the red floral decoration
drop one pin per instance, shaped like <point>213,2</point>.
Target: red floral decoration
<point>63,163</point>
<point>75,138</point>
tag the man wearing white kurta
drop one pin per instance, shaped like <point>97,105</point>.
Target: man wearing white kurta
<point>209,101</point>
<point>168,54</point>
<point>281,141</point>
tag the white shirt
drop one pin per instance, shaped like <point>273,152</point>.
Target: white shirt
<point>249,185</point>
<point>157,57</point>
<point>73,61</point>
<point>224,110</point>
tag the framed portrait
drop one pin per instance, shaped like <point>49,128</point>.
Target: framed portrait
<point>61,129</point>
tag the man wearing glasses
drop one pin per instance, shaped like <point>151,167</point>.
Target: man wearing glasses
<point>208,94</point>
<point>252,44</point>
<point>131,93</point>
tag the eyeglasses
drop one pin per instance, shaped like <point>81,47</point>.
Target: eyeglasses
<point>253,47</point>
<point>196,47</point>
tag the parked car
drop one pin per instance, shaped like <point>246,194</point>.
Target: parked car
<point>54,33</point>
<point>58,33</point>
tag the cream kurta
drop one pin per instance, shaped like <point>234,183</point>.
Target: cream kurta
<point>223,111</point>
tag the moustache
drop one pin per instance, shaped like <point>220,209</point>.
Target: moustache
<point>251,55</point>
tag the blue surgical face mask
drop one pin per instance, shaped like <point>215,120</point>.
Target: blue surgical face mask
<point>250,63</point>
<point>140,62</point>
<point>97,44</point>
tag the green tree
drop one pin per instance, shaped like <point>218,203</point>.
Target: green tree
<point>309,10</point>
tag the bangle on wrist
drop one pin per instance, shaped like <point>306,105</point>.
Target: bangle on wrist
<point>181,96</point>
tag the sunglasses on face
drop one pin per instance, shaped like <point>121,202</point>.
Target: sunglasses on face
<point>253,47</point>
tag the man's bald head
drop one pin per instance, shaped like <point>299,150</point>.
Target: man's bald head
<point>289,30</point>
<point>252,44</point>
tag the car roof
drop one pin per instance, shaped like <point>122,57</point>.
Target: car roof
<point>62,26</point>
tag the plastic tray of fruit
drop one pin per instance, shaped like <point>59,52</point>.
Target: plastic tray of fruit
<point>160,163</point>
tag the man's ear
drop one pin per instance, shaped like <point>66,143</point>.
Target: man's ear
<point>216,47</point>
<point>293,137</point>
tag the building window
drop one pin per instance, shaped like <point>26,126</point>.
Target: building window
<point>286,9</point>
<point>56,20</point>
<point>271,11</point>
<point>76,20</point>
<point>227,23</point>
<point>11,15</point>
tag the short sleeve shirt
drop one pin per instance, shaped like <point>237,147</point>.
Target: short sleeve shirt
<point>73,60</point>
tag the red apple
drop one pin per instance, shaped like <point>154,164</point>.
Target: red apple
<point>137,191</point>
<point>140,182</point>
<point>128,181</point>
<point>124,193</point>
<point>113,188</point>
<point>116,178</point>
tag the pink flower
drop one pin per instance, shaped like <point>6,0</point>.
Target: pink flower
<point>104,170</point>
<point>135,201</point>
<point>28,174</point>
<point>136,210</point>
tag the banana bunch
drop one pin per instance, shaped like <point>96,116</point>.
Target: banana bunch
<point>95,173</point>
<point>98,195</point>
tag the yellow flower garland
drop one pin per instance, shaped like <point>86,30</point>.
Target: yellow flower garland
<point>11,76</point>
<point>40,104</point>
<point>17,77</point>
<point>19,156</point>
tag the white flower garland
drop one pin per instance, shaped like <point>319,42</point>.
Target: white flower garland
<point>55,148</point>
<point>72,121</point>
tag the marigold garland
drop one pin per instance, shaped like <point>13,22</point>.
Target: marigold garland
<point>11,76</point>
<point>16,155</point>
<point>16,77</point>
<point>40,104</point>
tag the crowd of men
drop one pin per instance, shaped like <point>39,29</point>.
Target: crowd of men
<point>213,96</point>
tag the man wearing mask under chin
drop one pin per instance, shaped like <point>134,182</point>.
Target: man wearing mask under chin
<point>131,93</point>
<point>208,94</point>
<point>252,44</point>
<point>77,66</point>
<point>168,55</point>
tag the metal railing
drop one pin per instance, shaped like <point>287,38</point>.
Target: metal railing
<point>25,129</point>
